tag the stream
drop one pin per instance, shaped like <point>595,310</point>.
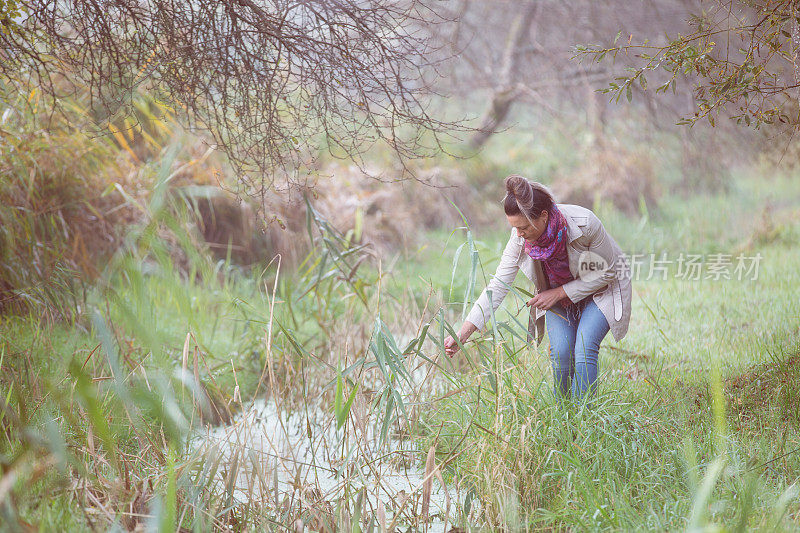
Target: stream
<point>271,454</point>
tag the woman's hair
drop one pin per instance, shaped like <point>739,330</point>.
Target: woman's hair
<point>528,198</point>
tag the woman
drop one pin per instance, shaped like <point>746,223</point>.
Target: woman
<point>582,280</point>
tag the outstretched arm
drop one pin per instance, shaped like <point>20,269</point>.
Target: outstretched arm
<point>491,297</point>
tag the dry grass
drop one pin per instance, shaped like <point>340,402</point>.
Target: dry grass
<point>614,173</point>
<point>760,399</point>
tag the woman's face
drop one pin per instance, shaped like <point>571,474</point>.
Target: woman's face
<point>527,230</point>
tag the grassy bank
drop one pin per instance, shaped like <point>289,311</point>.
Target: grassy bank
<point>695,423</point>
<point>98,413</point>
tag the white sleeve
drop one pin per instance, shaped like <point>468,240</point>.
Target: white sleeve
<point>503,277</point>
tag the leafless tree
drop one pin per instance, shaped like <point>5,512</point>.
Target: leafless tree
<point>508,85</point>
<point>522,53</point>
<point>270,80</point>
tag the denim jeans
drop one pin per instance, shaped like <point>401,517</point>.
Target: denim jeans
<point>575,337</point>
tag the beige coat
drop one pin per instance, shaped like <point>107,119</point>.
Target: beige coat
<point>609,286</point>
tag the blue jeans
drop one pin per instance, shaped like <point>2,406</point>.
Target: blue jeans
<point>575,338</point>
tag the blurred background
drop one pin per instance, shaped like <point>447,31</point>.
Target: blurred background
<point>154,281</point>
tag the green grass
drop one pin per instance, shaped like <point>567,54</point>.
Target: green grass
<point>114,396</point>
<point>97,410</point>
<point>665,447</point>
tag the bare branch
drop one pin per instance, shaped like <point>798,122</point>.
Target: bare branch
<point>268,80</point>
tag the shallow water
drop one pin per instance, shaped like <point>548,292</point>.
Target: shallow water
<point>277,454</point>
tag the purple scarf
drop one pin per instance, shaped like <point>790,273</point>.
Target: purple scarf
<point>551,249</point>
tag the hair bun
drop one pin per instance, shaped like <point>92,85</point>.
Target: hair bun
<point>519,187</point>
<point>514,182</point>
<point>526,197</point>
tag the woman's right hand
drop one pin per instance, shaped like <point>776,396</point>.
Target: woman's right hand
<point>450,346</point>
<point>450,343</point>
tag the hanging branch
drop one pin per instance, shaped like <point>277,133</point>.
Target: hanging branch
<point>740,56</point>
<point>270,80</point>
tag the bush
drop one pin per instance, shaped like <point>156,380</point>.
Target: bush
<point>53,215</point>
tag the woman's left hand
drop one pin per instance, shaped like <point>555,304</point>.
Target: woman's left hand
<point>547,299</point>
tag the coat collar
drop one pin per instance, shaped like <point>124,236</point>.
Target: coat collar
<point>574,231</point>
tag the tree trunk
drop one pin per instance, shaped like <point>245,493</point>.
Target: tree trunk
<point>507,91</point>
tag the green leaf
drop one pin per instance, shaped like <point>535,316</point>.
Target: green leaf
<point>340,406</point>
<point>338,395</point>
<point>388,417</point>
<point>523,291</point>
